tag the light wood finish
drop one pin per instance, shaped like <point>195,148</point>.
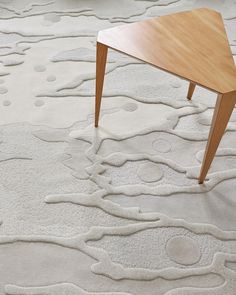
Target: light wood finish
<point>224,107</point>
<point>190,90</point>
<point>100,72</point>
<point>192,45</point>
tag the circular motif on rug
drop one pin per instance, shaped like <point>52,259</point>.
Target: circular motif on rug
<point>3,90</point>
<point>40,68</point>
<point>183,250</point>
<point>204,120</point>
<point>6,103</point>
<point>161,145</point>
<point>39,103</point>
<point>130,107</point>
<point>51,78</point>
<point>175,84</point>
<point>150,172</point>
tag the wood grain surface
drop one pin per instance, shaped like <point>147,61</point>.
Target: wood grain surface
<point>192,45</point>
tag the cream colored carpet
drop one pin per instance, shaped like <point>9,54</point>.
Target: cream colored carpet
<point>117,210</point>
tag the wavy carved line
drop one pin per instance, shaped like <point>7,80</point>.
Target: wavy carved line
<point>55,289</point>
<point>105,266</point>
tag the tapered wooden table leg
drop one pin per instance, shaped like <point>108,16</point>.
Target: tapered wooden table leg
<point>100,72</point>
<point>187,57</point>
<point>190,90</point>
<point>223,110</point>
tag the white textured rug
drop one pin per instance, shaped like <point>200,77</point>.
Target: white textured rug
<point>116,210</point>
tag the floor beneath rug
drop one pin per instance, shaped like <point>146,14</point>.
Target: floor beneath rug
<point>116,210</point>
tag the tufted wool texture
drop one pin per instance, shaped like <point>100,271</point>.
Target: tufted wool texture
<point>116,210</point>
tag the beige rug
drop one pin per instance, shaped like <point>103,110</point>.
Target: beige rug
<point>117,210</point>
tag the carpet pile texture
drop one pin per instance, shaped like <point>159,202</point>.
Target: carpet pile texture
<point>116,210</point>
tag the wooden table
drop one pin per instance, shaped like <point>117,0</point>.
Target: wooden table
<point>192,45</point>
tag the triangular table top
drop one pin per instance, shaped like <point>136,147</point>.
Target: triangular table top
<point>192,45</point>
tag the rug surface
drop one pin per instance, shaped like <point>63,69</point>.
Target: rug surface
<point>117,210</point>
